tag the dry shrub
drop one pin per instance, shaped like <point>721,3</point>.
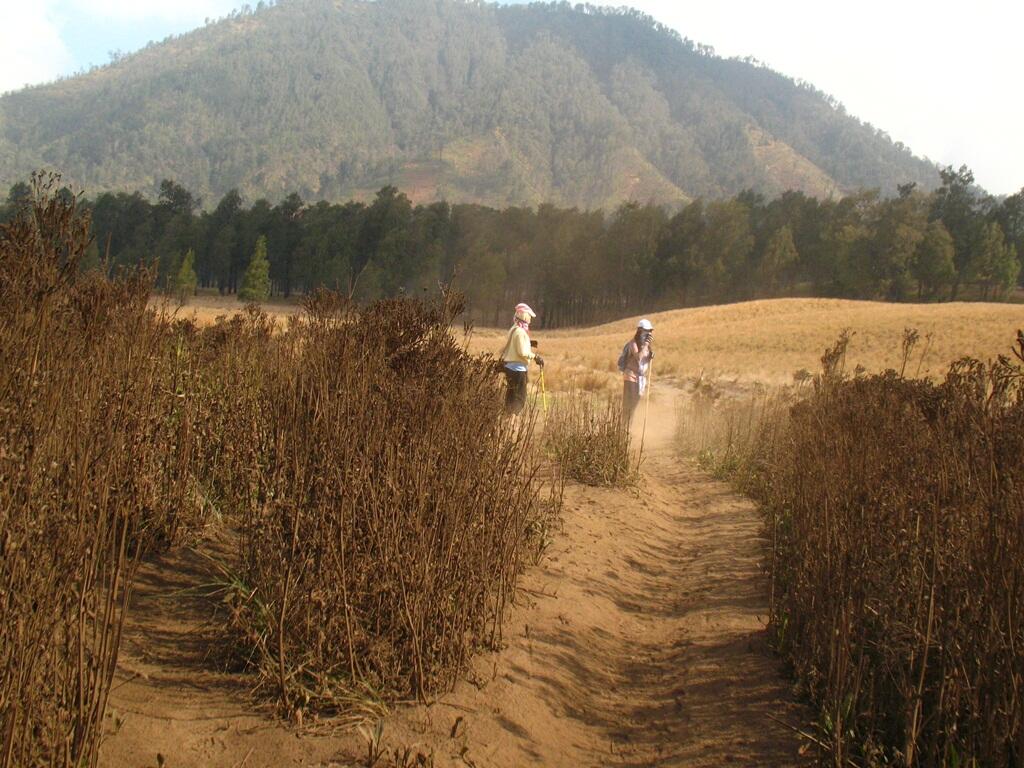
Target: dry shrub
<point>392,509</point>
<point>896,515</point>
<point>385,505</point>
<point>731,430</point>
<point>91,466</point>
<point>221,382</point>
<point>588,438</point>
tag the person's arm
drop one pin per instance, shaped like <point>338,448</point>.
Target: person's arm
<point>633,360</point>
<point>645,354</point>
<point>523,345</point>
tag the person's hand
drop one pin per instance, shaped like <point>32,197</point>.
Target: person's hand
<point>539,360</point>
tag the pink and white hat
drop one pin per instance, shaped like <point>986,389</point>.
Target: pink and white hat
<point>524,313</point>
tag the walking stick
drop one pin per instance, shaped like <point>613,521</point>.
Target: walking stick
<point>647,409</point>
<point>543,392</point>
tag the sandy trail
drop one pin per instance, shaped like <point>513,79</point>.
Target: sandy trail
<point>638,641</point>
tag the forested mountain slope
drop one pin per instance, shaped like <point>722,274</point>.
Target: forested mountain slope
<point>444,99</point>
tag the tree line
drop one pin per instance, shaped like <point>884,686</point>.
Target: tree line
<point>575,266</point>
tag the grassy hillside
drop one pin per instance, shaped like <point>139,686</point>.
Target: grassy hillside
<point>765,341</point>
<point>768,341</point>
<point>447,99</point>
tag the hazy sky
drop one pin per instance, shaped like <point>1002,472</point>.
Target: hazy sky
<point>943,77</point>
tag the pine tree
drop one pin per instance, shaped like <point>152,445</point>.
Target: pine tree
<point>256,281</point>
<point>993,264</point>
<point>91,261</point>
<point>779,260</point>
<point>1005,271</point>
<point>933,266</point>
<point>185,281</point>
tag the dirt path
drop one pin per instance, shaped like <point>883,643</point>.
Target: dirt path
<point>639,642</point>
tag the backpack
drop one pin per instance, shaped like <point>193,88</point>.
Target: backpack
<point>624,356</point>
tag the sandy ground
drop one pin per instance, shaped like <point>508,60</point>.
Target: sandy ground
<point>638,641</point>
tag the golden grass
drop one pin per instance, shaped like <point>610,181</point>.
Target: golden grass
<point>764,341</point>
<point>204,310</point>
<point>769,340</point>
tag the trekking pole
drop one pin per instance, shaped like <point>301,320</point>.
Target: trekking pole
<point>647,409</point>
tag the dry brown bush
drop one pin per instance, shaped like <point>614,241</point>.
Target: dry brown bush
<point>896,514</point>
<point>384,503</point>
<point>589,440</point>
<point>91,469</point>
<point>390,507</point>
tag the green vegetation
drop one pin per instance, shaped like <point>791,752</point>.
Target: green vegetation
<point>576,266</point>
<point>256,280</point>
<point>896,523</point>
<point>184,284</point>
<point>501,105</point>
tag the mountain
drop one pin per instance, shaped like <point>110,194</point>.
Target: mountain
<point>467,101</point>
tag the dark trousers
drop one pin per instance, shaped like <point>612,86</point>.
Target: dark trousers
<point>515,393</point>
<point>630,400</point>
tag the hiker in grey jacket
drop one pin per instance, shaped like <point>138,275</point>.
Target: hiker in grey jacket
<point>635,364</point>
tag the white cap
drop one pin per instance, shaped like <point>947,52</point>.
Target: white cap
<point>645,325</point>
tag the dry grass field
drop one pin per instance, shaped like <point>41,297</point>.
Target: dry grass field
<point>206,308</point>
<point>766,341</point>
<point>769,340</point>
